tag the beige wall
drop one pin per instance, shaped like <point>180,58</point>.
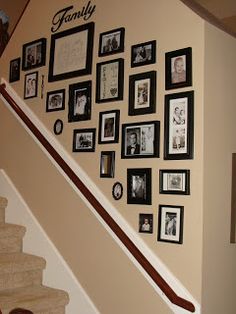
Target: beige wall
<point>174,26</point>
<point>219,256</point>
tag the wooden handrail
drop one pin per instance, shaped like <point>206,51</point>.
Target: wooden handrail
<point>140,258</point>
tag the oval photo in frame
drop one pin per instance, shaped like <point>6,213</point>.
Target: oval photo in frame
<point>58,127</point>
<point>117,191</point>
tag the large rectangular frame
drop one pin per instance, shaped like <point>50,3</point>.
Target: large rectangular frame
<point>71,53</point>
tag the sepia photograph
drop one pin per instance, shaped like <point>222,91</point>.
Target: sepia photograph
<point>143,54</point>
<point>109,124</point>
<point>107,164</point>
<point>31,85</point>
<point>146,223</point>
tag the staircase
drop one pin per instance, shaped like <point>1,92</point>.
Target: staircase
<point>21,275</point>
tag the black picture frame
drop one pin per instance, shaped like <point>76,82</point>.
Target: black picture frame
<point>71,53</point>
<point>142,93</point>
<point>109,125</point>
<point>117,191</point>
<point>80,101</point>
<point>107,164</point>
<point>179,126</point>
<point>55,100</point>
<point>174,181</point>
<point>143,53</point>
<point>111,42</point>
<point>31,85</point>
<point>14,71</point>
<point>146,223</point>
<point>141,140</point>
<point>178,68</point>
<point>110,80</point>
<point>170,224</point>
<point>139,186</point>
<point>58,127</point>
<point>84,140</point>
<point>34,54</point>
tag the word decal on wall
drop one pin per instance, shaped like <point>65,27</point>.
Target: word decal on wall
<point>67,15</point>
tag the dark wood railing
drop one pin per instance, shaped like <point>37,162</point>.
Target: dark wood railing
<point>142,260</point>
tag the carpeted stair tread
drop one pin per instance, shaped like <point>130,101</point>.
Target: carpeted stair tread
<point>34,298</point>
<point>11,230</point>
<point>20,262</point>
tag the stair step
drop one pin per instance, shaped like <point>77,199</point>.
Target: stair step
<point>38,299</point>
<point>20,270</point>
<point>11,237</point>
<point>3,205</point>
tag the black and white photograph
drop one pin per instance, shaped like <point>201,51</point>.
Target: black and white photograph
<point>174,181</point>
<point>110,81</point>
<point>143,53</point>
<point>146,223</point>
<point>107,164</point>
<point>58,127</point>
<point>14,73</point>
<point>55,100</point>
<point>142,93</point>
<point>139,186</point>
<point>80,101</point>
<point>31,85</point>
<point>179,126</point>
<point>117,191</point>
<point>84,140</point>
<point>178,68</point>
<point>34,54</point>
<point>140,140</point>
<point>109,124</point>
<point>170,223</point>
<point>111,42</point>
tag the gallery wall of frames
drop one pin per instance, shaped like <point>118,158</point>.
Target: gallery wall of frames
<point>138,140</point>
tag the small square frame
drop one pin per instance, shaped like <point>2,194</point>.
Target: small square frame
<point>170,224</point>
<point>146,223</point>
<point>142,93</point>
<point>110,81</point>
<point>109,124</point>
<point>34,54</point>
<point>84,140</point>
<point>174,181</point>
<point>107,164</point>
<point>55,100</point>
<point>31,85</point>
<point>179,126</point>
<point>111,42</point>
<point>80,101</point>
<point>147,144</point>
<point>14,72</point>
<point>178,68</point>
<point>139,186</point>
<point>143,53</point>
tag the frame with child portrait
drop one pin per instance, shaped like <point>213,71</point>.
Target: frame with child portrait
<point>109,125</point>
<point>80,101</point>
<point>143,54</point>
<point>179,126</point>
<point>34,54</point>
<point>111,42</point>
<point>14,73</point>
<point>174,181</point>
<point>142,93</point>
<point>170,223</point>
<point>107,164</point>
<point>178,68</point>
<point>146,223</point>
<point>31,85</point>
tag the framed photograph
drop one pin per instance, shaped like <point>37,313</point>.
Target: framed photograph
<point>55,100</point>
<point>117,191</point>
<point>58,127</point>
<point>31,85</point>
<point>84,140</point>
<point>34,54</point>
<point>111,42</point>
<point>109,124</point>
<point>139,190</point>
<point>71,53</point>
<point>146,223</point>
<point>80,101</point>
<point>140,140</point>
<point>174,181</point>
<point>107,164</point>
<point>143,54</point>
<point>179,120</point>
<point>110,81</point>
<point>142,93</point>
<point>178,68</point>
<point>14,73</point>
<point>170,223</point>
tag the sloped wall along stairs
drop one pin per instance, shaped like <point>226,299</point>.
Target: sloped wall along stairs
<point>21,274</point>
